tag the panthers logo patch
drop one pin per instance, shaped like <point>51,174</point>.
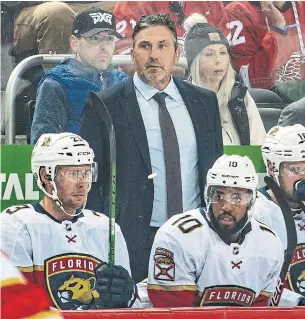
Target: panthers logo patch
<point>70,280</point>
<point>296,275</point>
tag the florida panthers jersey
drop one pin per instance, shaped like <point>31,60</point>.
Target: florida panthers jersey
<point>60,256</point>
<point>16,291</point>
<point>270,214</point>
<point>191,265</point>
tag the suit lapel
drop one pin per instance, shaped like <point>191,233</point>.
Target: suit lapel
<point>130,107</point>
<point>197,111</point>
<point>203,126</point>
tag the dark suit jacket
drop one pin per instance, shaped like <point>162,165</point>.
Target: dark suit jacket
<point>135,192</point>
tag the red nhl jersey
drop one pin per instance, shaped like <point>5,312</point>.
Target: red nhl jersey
<point>129,12</point>
<point>269,56</point>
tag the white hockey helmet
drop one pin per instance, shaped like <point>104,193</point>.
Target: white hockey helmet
<point>232,171</point>
<point>52,150</point>
<point>284,144</point>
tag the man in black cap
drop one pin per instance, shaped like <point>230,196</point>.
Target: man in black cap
<point>63,90</point>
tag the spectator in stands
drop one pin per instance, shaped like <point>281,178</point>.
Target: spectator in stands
<point>45,27</point>
<point>63,90</point>
<point>168,135</point>
<point>268,41</point>
<point>128,12</point>
<point>292,114</point>
<point>208,57</point>
<point>39,27</point>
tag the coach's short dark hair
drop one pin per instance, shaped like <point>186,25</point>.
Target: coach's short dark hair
<point>158,19</point>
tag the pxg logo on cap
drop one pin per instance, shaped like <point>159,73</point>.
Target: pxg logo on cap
<point>93,21</point>
<point>100,17</point>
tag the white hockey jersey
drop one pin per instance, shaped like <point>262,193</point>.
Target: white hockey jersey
<point>270,214</point>
<point>191,265</point>
<point>60,256</point>
<point>16,291</point>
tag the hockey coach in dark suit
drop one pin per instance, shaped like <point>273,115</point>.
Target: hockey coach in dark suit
<point>168,134</point>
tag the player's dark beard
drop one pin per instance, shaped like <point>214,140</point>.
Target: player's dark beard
<point>290,195</point>
<point>223,230</point>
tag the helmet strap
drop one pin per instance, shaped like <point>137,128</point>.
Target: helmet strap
<point>59,203</point>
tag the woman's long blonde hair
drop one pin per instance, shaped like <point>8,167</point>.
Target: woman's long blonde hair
<point>226,84</point>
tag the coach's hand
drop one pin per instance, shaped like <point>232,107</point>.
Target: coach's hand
<point>115,287</point>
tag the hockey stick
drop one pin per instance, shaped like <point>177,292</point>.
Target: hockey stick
<point>106,118</point>
<point>291,238</point>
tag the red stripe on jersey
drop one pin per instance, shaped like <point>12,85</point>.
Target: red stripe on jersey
<point>36,277</point>
<point>28,275</point>
<point>161,298</point>
<point>21,301</point>
<point>39,278</point>
<point>260,301</point>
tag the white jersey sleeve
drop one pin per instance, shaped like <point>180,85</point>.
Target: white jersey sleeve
<point>169,264</point>
<point>270,284</point>
<point>268,213</point>
<point>173,266</point>
<point>9,272</point>
<point>172,262</point>
<point>15,239</point>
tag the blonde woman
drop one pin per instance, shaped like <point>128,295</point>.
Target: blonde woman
<point>208,58</point>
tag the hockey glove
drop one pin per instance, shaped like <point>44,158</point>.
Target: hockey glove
<point>115,287</point>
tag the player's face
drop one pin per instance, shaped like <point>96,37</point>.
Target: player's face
<point>73,184</point>
<point>95,51</point>
<point>229,207</point>
<point>291,172</point>
<point>154,55</point>
<point>214,61</point>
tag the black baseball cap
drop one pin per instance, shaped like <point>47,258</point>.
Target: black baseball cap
<point>93,21</point>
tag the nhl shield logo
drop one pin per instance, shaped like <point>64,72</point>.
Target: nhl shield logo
<point>296,275</point>
<point>70,280</point>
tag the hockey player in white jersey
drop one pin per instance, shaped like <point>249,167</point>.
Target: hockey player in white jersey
<point>284,155</point>
<point>59,245</point>
<point>217,256</point>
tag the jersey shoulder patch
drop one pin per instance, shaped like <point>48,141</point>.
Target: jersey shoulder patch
<point>264,227</point>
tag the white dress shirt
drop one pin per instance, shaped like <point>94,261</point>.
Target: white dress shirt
<point>187,146</point>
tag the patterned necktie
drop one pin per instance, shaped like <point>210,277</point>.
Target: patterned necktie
<point>171,157</point>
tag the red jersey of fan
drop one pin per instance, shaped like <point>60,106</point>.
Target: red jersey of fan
<point>271,56</point>
<point>127,13</point>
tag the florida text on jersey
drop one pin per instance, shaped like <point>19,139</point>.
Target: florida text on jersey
<point>191,265</point>
<point>60,256</point>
